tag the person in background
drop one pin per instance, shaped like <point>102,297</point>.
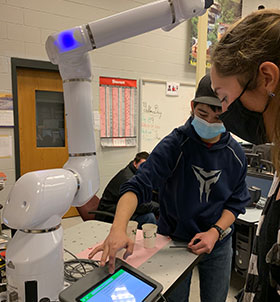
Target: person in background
<point>144,213</point>
<point>246,77</point>
<point>200,172</point>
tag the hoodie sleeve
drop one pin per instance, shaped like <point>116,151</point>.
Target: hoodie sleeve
<point>153,173</point>
<point>240,196</point>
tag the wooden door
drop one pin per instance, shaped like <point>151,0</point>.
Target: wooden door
<point>41,122</point>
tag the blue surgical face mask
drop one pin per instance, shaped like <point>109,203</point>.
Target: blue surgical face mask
<point>207,130</point>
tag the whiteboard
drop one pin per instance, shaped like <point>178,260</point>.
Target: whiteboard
<point>160,114</point>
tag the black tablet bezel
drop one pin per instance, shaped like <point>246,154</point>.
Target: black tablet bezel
<point>99,275</point>
<point>78,299</point>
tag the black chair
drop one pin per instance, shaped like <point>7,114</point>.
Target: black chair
<point>89,210</point>
<point>253,160</point>
<point>267,166</point>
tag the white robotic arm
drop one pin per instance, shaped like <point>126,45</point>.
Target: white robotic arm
<point>39,199</point>
<point>68,46</point>
<point>69,49</point>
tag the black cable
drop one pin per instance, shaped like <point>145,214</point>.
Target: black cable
<point>163,298</point>
<point>76,268</point>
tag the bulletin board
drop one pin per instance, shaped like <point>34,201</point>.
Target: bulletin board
<point>160,114</point>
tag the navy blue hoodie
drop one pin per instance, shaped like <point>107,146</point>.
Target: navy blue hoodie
<point>195,182</point>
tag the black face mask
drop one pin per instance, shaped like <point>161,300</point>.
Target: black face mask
<point>244,123</point>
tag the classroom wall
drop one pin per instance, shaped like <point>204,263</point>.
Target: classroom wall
<point>25,26</point>
<point>252,5</point>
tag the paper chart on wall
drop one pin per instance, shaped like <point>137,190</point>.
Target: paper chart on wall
<point>6,110</point>
<point>118,112</point>
<point>6,148</point>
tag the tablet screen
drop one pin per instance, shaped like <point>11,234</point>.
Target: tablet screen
<point>121,286</point>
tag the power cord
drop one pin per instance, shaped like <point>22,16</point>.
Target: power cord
<point>163,298</point>
<point>76,268</point>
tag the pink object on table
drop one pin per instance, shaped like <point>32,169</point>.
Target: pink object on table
<point>140,254</point>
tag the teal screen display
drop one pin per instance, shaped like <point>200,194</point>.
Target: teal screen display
<point>122,286</point>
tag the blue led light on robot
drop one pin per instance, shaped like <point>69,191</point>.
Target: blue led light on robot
<point>66,41</point>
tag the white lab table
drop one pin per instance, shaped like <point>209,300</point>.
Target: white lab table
<point>251,216</point>
<point>167,266</point>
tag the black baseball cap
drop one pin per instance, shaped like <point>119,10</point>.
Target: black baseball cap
<point>204,93</point>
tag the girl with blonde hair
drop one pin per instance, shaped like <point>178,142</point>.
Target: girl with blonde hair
<point>245,76</point>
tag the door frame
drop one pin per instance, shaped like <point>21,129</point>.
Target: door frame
<point>23,63</point>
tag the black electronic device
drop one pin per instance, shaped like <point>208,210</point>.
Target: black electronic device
<point>259,185</point>
<point>126,284</point>
<point>260,180</point>
<point>255,194</point>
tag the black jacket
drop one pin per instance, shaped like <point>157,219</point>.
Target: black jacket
<point>111,195</point>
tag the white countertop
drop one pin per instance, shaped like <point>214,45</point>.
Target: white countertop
<point>252,215</point>
<point>166,266</point>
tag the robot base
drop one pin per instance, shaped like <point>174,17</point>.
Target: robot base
<point>35,266</point>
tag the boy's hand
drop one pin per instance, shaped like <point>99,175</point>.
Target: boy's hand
<point>115,241</point>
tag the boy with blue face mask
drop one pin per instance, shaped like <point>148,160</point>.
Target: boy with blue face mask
<point>206,108</point>
<point>199,171</point>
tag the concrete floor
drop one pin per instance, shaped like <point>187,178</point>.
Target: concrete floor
<point>235,285</point>
<point>236,281</point>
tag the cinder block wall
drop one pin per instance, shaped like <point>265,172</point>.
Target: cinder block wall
<point>25,26</point>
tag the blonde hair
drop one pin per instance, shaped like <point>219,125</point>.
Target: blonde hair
<point>243,48</point>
